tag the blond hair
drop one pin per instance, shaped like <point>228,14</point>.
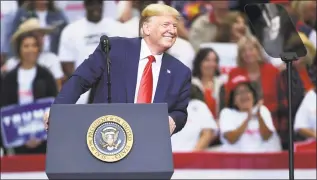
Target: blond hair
<point>299,7</point>
<point>156,10</point>
<point>311,50</point>
<point>223,33</point>
<point>249,40</point>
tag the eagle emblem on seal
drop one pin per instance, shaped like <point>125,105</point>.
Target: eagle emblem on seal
<point>110,138</point>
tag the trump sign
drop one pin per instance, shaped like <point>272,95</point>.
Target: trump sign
<point>19,123</point>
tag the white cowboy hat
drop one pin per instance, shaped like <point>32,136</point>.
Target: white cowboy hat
<point>32,24</point>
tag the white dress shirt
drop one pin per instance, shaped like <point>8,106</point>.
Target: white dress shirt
<point>156,66</point>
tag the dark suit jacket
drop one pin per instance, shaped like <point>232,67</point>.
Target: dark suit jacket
<point>173,85</point>
<point>43,86</point>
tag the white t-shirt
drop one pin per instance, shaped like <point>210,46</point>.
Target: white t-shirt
<point>25,85</point>
<point>7,11</point>
<point>199,118</point>
<point>46,59</point>
<point>80,39</point>
<point>8,7</point>
<point>133,26</point>
<point>75,10</point>
<point>183,51</point>
<point>42,18</point>
<point>250,140</point>
<point>306,113</point>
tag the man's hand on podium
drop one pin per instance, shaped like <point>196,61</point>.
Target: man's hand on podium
<point>172,124</point>
<point>45,119</point>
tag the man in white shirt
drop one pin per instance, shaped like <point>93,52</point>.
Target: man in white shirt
<point>80,38</point>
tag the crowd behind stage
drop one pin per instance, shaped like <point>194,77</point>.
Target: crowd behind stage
<point>42,43</point>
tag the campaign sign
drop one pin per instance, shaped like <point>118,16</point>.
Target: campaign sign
<point>19,123</point>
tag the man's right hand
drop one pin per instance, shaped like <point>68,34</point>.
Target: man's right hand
<point>45,118</point>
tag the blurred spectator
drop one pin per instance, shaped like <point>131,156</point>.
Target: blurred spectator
<point>200,130</point>
<point>312,71</point>
<point>305,119</point>
<point>74,10</point>
<point>246,125</point>
<point>181,49</point>
<point>8,11</point>
<point>191,9</point>
<point>45,59</point>
<point>303,11</point>
<point>232,28</point>
<point>306,11</point>
<point>47,14</point>
<point>301,85</point>
<point>240,4</point>
<point>27,83</point>
<point>132,21</point>
<point>207,81</point>
<point>204,28</point>
<point>252,64</point>
<point>127,10</point>
<point>80,38</point>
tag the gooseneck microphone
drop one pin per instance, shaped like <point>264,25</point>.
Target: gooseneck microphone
<point>105,46</point>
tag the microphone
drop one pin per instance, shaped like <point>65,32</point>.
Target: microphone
<point>105,46</point>
<point>105,43</point>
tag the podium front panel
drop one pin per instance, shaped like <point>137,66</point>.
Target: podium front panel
<point>68,155</point>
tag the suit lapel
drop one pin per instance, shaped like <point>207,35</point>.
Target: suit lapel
<point>132,63</point>
<point>163,81</point>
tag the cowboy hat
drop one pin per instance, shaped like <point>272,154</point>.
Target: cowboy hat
<point>32,24</point>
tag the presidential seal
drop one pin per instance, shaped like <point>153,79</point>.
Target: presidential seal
<point>110,138</point>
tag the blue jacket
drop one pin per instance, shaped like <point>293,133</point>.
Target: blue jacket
<point>173,85</point>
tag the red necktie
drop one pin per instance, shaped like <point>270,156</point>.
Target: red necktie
<point>146,84</point>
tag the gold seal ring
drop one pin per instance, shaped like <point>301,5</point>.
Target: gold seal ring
<point>110,138</point>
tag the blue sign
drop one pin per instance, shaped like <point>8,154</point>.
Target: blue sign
<point>19,123</point>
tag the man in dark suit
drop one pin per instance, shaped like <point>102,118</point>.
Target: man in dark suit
<point>141,71</point>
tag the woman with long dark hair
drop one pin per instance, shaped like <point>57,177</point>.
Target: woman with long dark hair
<point>207,81</point>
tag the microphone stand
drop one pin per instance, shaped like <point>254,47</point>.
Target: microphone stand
<point>108,73</point>
<point>288,58</point>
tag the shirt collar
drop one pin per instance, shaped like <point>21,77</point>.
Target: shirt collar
<point>145,52</point>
